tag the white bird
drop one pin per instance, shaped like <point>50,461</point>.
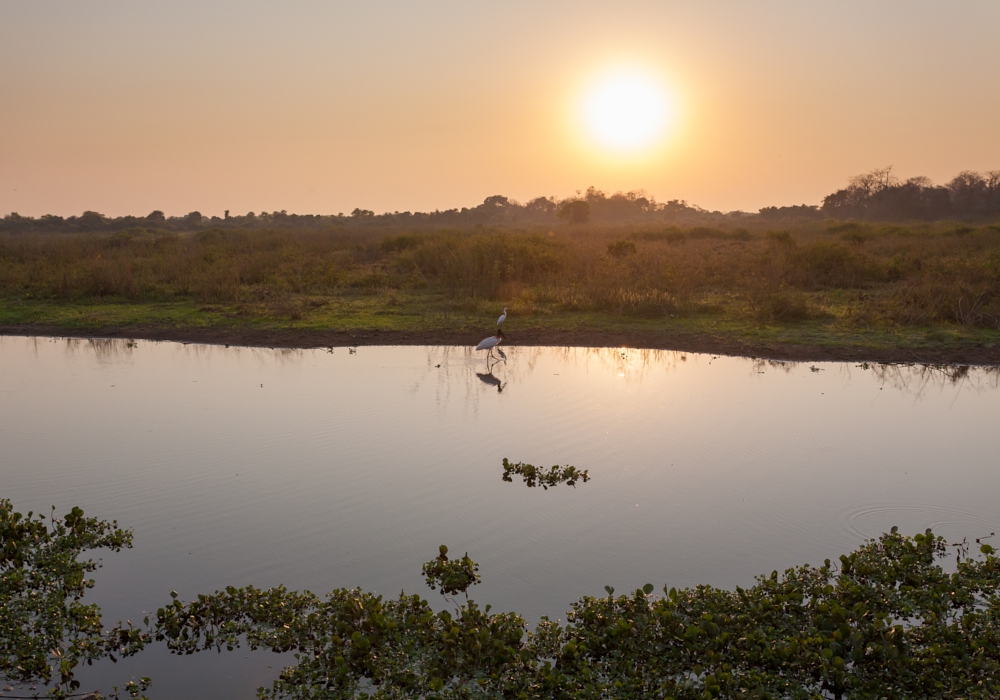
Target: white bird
<point>502,318</point>
<point>491,342</point>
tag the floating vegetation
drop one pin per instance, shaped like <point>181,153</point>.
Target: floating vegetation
<point>451,576</point>
<point>886,621</point>
<point>46,630</point>
<point>537,476</point>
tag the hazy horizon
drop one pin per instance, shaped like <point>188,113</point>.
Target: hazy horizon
<point>390,106</point>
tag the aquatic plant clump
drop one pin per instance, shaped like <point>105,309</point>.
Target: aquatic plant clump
<point>885,621</point>
<point>451,576</point>
<point>46,631</point>
<point>889,622</point>
<point>537,476</point>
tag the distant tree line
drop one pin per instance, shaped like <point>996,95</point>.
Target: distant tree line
<point>593,205</point>
<point>875,196</point>
<point>880,195</point>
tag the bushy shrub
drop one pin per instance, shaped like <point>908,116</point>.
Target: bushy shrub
<point>619,249</point>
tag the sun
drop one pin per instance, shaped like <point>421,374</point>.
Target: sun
<point>626,111</point>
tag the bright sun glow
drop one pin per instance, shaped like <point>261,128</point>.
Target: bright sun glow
<point>626,111</point>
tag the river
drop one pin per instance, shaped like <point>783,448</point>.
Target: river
<point>348,467</point>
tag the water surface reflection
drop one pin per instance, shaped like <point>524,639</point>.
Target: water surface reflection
<point>328,468</point>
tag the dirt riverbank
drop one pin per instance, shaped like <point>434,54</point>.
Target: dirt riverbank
<point>584,337</point>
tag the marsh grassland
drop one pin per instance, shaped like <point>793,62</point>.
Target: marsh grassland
<point>836,285</point>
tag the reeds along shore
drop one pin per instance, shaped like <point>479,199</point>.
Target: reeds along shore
<point>863,274</point>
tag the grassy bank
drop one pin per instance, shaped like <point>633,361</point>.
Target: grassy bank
<point>836,286</point>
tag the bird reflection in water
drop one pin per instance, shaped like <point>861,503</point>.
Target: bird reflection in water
<point>488,377</point>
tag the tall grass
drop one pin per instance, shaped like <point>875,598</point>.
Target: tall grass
<point>900,275</point>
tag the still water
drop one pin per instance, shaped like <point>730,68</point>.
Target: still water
<point>323,469</point>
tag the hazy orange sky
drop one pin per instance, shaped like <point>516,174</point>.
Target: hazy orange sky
<point>321,107</point>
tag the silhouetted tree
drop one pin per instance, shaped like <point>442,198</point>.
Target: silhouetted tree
<point>575,211</point>
<point>497,201</point>
<point>799,211</point>
<point>541,206</point>
<point>91,219</point>
<point>975,194</point>
<point>880,195</point>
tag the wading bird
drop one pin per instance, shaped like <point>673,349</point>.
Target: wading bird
<point>503,317</point>
<point>491,342</point>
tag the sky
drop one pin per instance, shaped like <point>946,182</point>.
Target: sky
<point>391,105</point>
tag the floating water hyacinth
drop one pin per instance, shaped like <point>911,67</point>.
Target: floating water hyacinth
<point>451,576</point>
<point>538,476</point>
